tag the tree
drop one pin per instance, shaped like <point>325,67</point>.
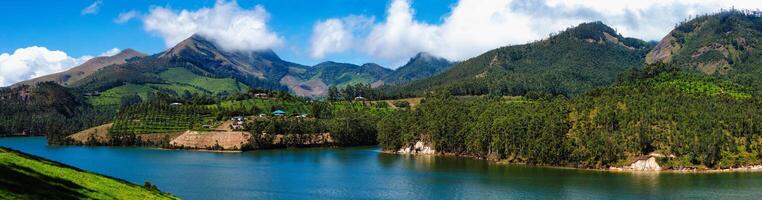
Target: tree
<point>320,110</point>
<point>128,100</point>
<point>333,93</point>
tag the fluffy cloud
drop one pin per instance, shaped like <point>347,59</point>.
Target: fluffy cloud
<point>475,26</point>
<point>336,35</point>
<point>31,62</point>
<point>231,27</point>
<point>92,8</point>
<point>124,17</point>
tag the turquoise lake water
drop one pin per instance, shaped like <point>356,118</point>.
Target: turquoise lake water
<point>366,173</point>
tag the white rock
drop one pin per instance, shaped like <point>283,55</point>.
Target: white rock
<point>646,165</point>
<point>418,148</point>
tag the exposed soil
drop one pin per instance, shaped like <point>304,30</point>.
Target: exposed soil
<point>211,140</point>
<point>98,133</point>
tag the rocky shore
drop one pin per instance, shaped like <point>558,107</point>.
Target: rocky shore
<point>419,148</point>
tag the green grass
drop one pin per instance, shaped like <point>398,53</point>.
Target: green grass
<point>178,80</point>
<point>24,176</point>
<point>112,96</point>
<point>213,85</point>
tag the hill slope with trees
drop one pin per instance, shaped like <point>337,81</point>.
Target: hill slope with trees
<point>724,44</point>
<point>658,110</point>
<point>572,62</point>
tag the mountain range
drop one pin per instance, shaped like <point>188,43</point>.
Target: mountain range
<point>574,61</point>
<point>199,66</point>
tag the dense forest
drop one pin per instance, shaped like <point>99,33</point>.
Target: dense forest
<point>654,113</point>
<point>46,109</point>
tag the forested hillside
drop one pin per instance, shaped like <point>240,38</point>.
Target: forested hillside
<point>571,62</point>
<point>46,109</point>
<point>695,121</point>
<point>724,44</point>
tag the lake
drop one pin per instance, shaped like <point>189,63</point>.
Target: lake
<point>366,173</point>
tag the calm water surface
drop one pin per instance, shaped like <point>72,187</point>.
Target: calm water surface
<point>365,173</point>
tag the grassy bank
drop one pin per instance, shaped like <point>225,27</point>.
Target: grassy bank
<point>26,176</point>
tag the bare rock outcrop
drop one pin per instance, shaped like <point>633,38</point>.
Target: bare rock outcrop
<point>419,148</point>
<point>648,164</point>
<point>663,51</point>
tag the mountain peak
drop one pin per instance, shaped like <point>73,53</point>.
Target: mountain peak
<point>374,65</point>
<point>79,72</point>
<point>129,53</point>
<point>426,57</point>
<point>422,65</point>
<point>597,31</point>
<point>200,45</point>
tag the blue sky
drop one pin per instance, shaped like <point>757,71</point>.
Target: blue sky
<point>59,25</point>
<point>39,37</point>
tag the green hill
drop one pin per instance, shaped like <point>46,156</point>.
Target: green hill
<point>724,44</point>
<point>574,61</point>
<point>423,65</point>
<point>342,74</point>
<point>47,108</point>
<point>26,176</point>
<point>693,120</point>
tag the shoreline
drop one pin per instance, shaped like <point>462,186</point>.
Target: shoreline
<point>751,168</point>
<point>619,169</point>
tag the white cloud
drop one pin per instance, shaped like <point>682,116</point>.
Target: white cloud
<point>110,52</point>
<point>32,62</point>
<point>475,26</point>
<point>336,35</point>
<point>92,8</point>
<point>231,27</point>
<point>124,17</point>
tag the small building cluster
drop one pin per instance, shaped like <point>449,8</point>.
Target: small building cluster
<point>238,122</point>
<point>261,95</point>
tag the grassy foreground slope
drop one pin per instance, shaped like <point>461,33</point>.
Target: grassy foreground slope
<point>26,176</point>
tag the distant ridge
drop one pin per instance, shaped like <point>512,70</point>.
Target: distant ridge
<point>77,73</point>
